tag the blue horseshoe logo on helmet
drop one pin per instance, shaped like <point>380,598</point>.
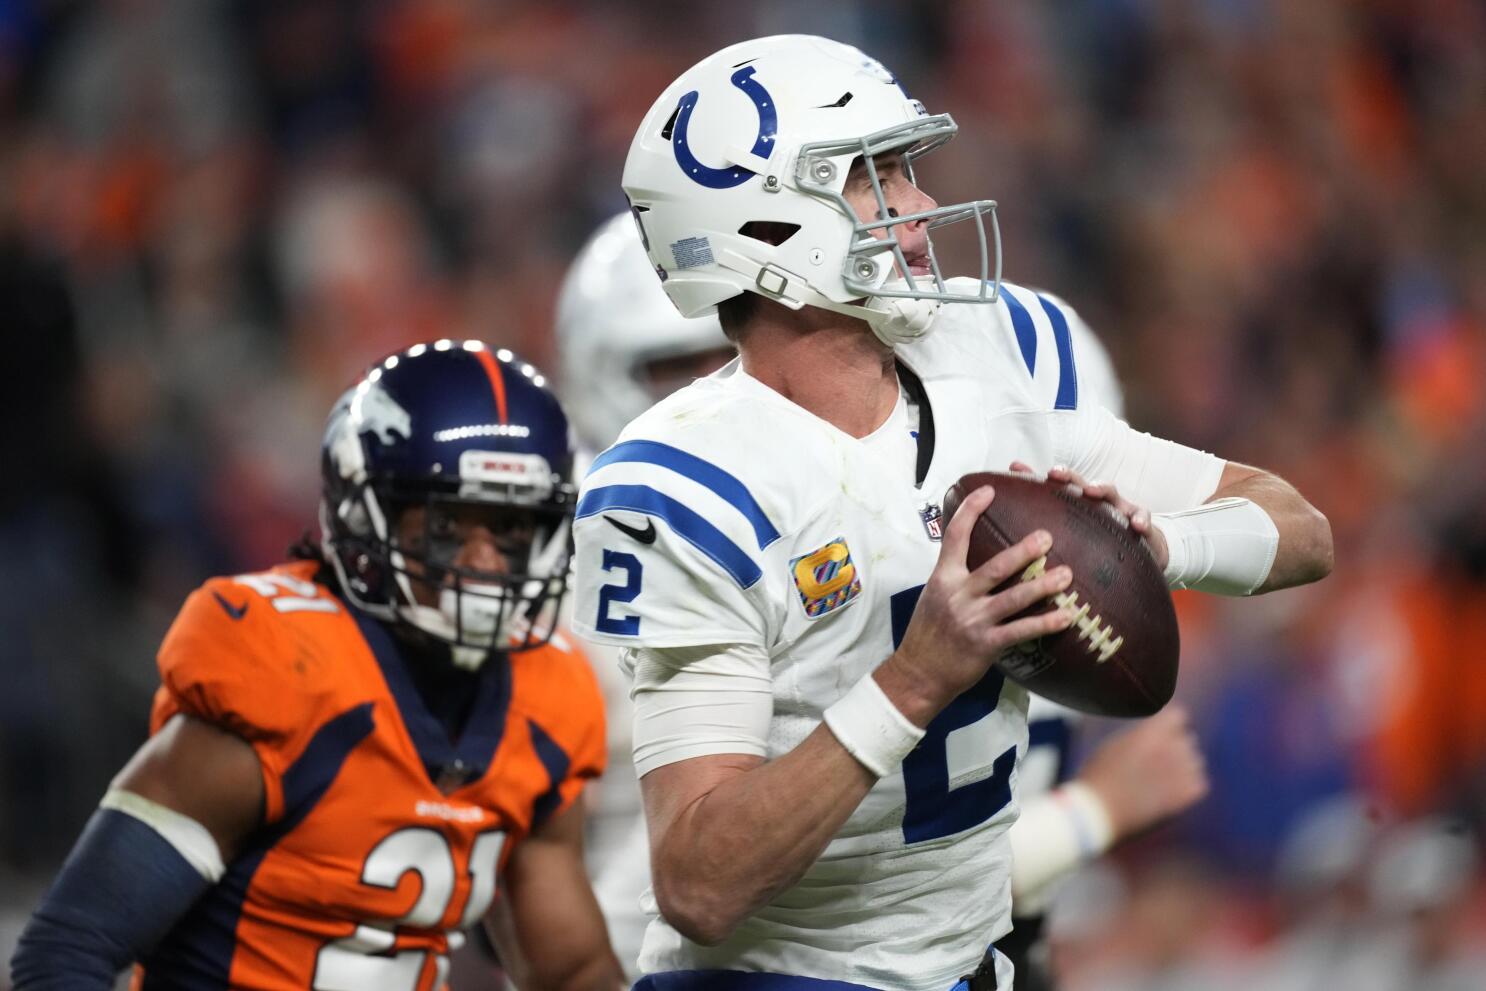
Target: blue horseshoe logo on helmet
<point>768,124</point>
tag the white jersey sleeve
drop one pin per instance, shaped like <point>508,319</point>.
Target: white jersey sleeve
<point>699,702</point>
<point>1069,390</point>
<point>1161,475</point>
<point>671,546</point>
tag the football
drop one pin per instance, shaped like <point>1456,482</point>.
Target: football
<point>1120,657</point>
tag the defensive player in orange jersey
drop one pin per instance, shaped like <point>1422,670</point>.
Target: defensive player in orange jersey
<point>352,755</point>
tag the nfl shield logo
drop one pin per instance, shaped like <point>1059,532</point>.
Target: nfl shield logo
<point>933,518</point>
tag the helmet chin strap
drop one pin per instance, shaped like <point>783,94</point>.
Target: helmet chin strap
<point>900,319</point>
<point>894,319</point>
<point>468,658</point>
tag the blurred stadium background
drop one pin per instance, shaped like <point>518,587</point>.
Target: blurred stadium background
<point>213,213</point>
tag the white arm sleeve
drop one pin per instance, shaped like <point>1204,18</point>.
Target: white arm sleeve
<point>1161,475</point>
<point>1226,546</point>
<point>699,701</point>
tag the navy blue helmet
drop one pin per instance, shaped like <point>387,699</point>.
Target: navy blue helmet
<point>427,441</point>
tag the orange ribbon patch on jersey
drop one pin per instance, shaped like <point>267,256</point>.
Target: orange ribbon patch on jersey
<point>826,578</point>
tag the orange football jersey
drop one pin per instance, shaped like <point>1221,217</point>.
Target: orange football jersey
<point>363,869</point>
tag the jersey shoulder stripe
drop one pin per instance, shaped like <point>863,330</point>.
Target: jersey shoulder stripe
<point>555,762</point>
<point>724,484</point>
<point>1021,323</point>
<point>686,523</point>
<point>1040,320</point>
<point>1067,373</point>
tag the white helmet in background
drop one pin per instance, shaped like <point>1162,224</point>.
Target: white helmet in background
<point>614,323</point>
<point>766,131</point>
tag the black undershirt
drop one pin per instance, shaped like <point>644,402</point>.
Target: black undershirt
<point>446,690</point>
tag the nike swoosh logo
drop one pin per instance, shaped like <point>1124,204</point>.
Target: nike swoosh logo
<point>645,536</point>
<point>236,612</point>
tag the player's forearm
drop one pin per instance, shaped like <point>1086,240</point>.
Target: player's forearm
<point>592,968</point>
<point>548,929</point>
<point>753,835</point>
<point>596,974</point>
<point>126,882</point>
<point>1305,553</point>
<point>567,943</point>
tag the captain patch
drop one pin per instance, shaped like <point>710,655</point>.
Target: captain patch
<point>826,578</point>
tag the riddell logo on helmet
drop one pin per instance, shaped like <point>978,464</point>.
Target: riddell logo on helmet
<point>504,467</point>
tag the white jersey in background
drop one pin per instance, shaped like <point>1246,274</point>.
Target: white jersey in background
<point>727,515</point>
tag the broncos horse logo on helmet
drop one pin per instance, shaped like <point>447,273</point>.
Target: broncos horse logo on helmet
<point>446,428</point>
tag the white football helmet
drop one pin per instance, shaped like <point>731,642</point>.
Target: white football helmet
<point>766,131</point>
<point>613,322</point>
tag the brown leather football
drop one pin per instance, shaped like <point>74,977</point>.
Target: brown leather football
<point>1120,657</point>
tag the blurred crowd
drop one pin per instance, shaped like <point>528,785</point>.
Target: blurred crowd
<point>214,213</point>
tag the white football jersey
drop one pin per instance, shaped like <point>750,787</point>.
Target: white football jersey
<point>727,514</point>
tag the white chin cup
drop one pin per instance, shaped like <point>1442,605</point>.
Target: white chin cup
<point>476,609</point>
<point>898,319</point>
<point>470,622</point>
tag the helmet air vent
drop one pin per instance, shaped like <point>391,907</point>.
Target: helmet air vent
<point>774,232</point>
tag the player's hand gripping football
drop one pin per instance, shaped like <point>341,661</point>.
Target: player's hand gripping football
<point>959,627</point>
<point>1148,773</point>
<point>1138,517</point>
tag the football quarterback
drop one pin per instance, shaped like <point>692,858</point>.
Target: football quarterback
<point>826,751</point>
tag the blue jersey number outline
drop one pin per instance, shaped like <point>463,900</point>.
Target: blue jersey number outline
<point>626,626</point>
<point>932,808</point>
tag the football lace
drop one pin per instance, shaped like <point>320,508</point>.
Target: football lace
<point>1099,634</point>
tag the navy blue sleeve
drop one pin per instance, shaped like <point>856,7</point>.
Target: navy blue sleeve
<point>121,890</point>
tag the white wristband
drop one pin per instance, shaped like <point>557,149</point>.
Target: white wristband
<point>871,728</point>
<point>1055,833</point>
<point>1226,546</point>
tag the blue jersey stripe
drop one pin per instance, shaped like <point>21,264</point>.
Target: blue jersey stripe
<point>198,952</point>
<point>555,761</point>
<point>702,472</point>
<point>1026,334</point>
<point>688,524</point>
<point>1067,374</point>
<point>1055,732</point>
<point>484,727</point>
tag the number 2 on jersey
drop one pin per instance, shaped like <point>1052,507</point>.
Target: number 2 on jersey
<point>932,808</point>
<point>626,626</point>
